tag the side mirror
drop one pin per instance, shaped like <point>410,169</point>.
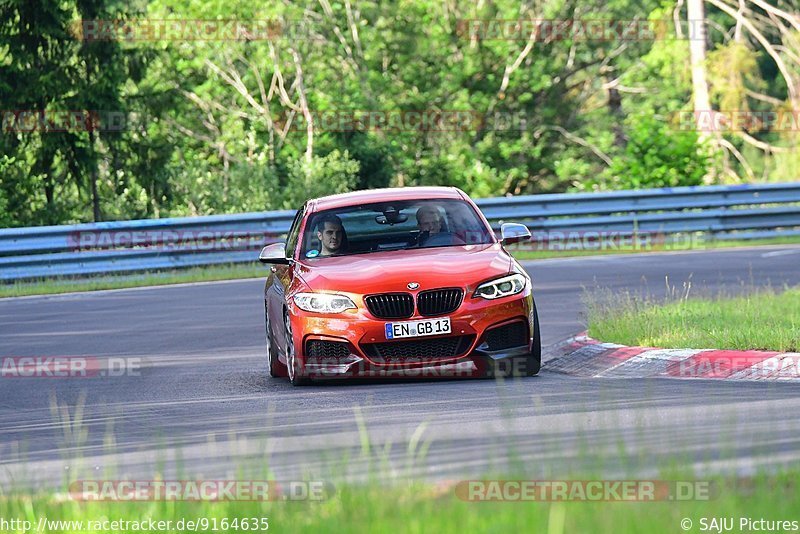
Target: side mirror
<point>514,233</point>
<point>275,254</point>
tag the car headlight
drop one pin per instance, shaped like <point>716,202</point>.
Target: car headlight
<point>502,287</point>
<point>323,302</point>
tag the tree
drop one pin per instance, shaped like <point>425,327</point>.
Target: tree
<point>51,70</point>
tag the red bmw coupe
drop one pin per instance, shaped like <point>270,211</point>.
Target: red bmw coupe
<point>398,282</point>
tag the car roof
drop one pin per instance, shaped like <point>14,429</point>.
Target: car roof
<point>369,196</point>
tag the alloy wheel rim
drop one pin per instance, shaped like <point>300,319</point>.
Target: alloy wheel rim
<point>289,348</point>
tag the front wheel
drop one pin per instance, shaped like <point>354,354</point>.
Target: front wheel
<point>276,368</point>
<point>295,368</point>
<point>529,365</point>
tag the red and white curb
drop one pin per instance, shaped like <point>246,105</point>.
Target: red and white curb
<point>585,356</point>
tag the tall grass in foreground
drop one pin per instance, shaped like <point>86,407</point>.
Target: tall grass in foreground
<point>392,501</point>
<point>759,319</point>
<point>393,497</point>
<point>425,508</point>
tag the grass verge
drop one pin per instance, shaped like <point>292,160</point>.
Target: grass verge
<point>418,507</point>
<point>52,286</point>
<point>763,320</point>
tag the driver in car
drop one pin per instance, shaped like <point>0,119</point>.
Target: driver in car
<point>330,233</point>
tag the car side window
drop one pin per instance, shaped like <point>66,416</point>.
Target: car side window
<point>294,233</point>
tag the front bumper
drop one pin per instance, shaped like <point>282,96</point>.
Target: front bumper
<point>478,334</point>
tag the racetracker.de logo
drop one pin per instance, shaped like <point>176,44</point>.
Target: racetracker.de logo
<point>607,241</point>
<point>68,367</point>
<point>752,365</point>
<point>579,30</point>
<point>737,120</point>
<point>187,240</point>
<point>415,120</point>
<point>190,30</point>
<point>73,121</point>
<point>584,490</point>
<point>199,490</point>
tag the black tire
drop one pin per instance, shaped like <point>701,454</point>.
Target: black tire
<point>276,368</point>
<point>531,364</point>
<point>293,365</point>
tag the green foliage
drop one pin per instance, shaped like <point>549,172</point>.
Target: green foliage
<point>209,133</point>
<point>658,156</point>
<point>56,175</point>
<point>5,216</point>
<point>732,69</point>
<point>326,175</point>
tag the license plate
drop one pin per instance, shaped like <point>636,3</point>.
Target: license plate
<point>428,327</point>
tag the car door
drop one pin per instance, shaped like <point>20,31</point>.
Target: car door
<point>279,283</point>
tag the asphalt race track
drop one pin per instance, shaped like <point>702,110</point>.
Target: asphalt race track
<point>202,405</point>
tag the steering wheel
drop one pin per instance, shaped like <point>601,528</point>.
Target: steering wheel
<point>442,239</point>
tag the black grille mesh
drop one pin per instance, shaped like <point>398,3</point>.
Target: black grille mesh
<point>440,348</point>
<point>321,349</point>
<point>391,305</point>
<point>439,301</point>
<point>507,336</point>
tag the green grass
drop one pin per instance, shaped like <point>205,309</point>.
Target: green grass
<point>417,507</point>
<point>51,286</point>
<point>762,320</point>
<point>394,502</point>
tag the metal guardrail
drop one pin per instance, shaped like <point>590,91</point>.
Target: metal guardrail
<point>726,212</point>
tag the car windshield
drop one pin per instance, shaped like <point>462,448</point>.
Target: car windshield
<point>397,225</point>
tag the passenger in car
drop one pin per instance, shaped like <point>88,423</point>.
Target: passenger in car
<point>429,219</point>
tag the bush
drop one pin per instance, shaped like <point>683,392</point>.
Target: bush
<point>658,156</point>
<point>324,175</point>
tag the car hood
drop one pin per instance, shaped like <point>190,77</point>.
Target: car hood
<point>390,271</point>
